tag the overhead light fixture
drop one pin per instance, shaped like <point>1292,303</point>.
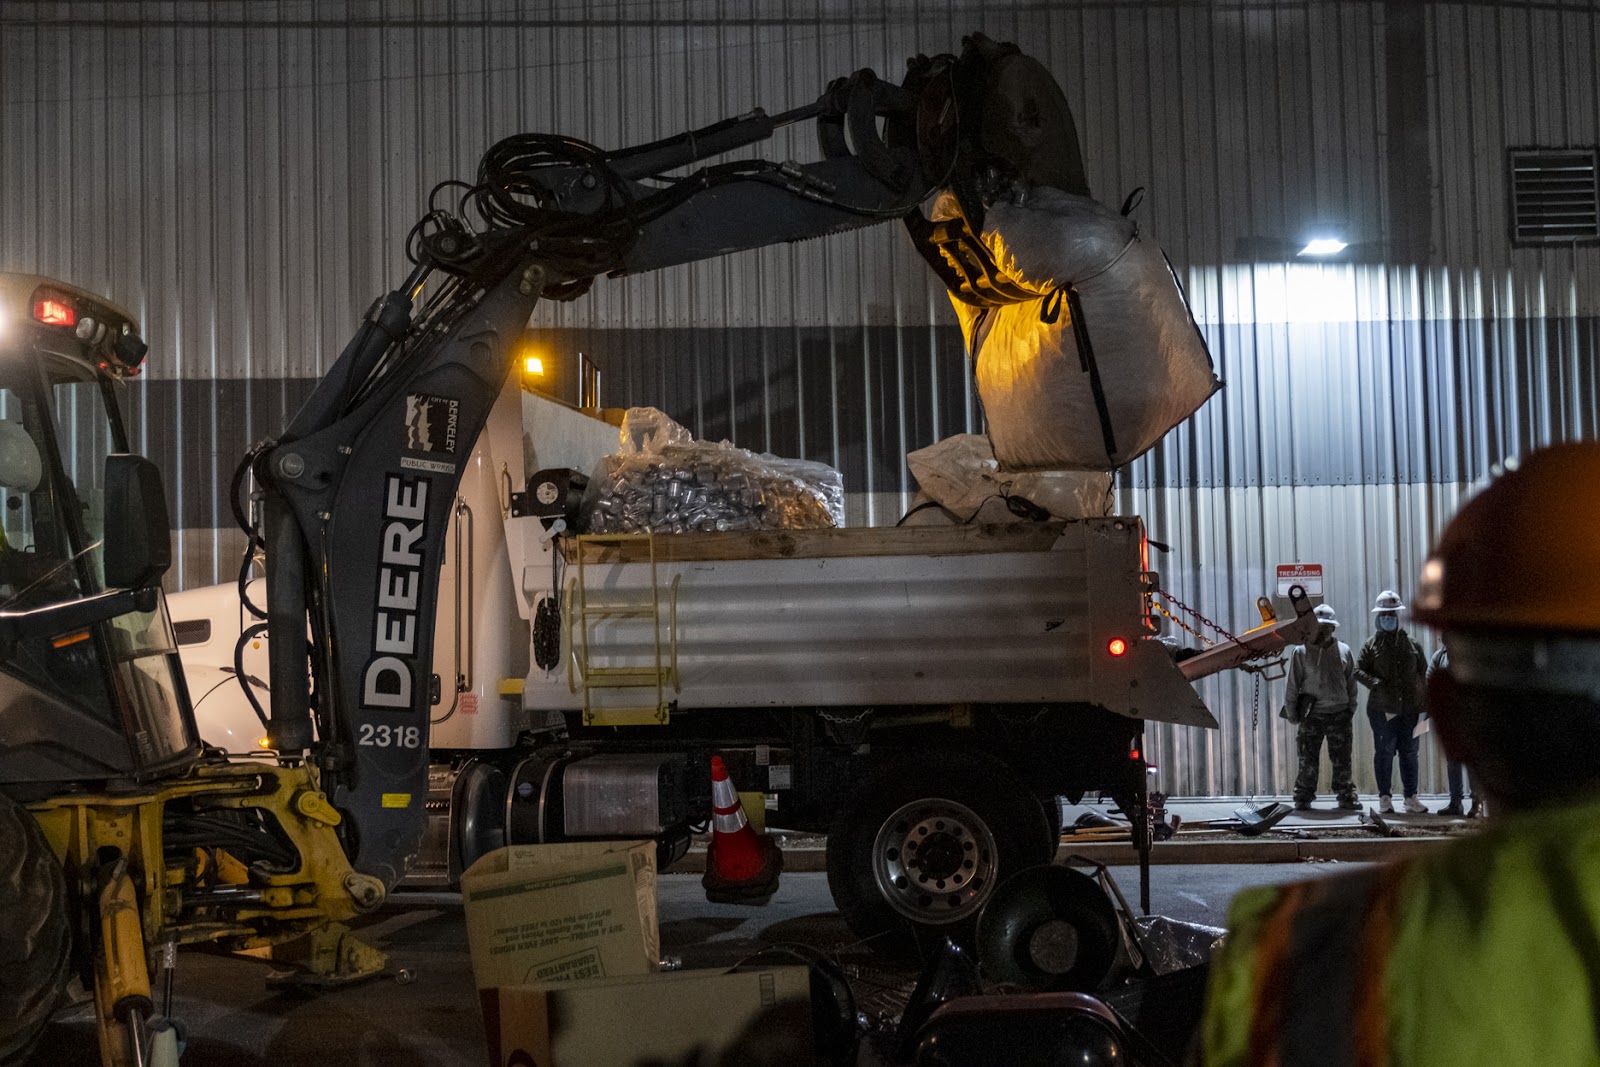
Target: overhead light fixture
<point>1324,246</point>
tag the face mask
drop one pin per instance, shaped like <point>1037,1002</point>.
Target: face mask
<point>1388,623</point>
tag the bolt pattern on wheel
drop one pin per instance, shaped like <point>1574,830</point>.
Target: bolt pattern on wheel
<point>934,861</point>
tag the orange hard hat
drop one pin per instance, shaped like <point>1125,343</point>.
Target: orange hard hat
<point>1524,554</point>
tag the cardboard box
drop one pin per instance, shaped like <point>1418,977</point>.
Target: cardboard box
<point>622,1022</point>
<point>538,914</point>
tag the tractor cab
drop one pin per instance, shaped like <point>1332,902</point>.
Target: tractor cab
<point>90,685</point>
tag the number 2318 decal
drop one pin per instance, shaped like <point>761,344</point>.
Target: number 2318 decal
<point>385,736</point>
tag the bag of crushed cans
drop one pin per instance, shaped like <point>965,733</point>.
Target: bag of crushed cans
<point>664,481</point>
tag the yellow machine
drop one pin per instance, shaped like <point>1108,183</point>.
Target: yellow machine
<point>145,900</point>
<point>137,839</point>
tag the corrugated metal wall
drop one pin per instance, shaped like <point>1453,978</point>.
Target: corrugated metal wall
<point>241,175</point>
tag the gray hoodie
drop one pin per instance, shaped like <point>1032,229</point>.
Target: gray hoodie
<point>1327,672</point>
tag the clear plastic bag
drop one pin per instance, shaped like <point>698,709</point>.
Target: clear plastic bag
<point>646,431</point>
<point>663,481</point>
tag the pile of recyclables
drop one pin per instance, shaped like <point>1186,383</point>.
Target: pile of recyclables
<point>663,481</point>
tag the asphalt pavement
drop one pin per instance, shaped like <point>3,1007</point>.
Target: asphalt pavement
<point>233,1018</point>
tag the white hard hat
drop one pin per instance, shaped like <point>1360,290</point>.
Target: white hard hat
<point>1327,616</point>
<point>1388,601</point>
<point>20,467</point>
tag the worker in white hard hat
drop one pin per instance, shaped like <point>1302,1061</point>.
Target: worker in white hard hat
<point>1485,950</point>
<point>1392,667</point>
<point>1321,700</point>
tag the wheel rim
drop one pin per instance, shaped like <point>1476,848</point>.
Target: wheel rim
<point>934,861</point>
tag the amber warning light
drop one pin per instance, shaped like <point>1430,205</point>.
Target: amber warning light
<point>1117,647</point>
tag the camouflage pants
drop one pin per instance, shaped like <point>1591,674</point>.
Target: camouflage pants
<point>1337,729</point>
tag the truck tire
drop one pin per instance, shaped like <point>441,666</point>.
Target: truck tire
<point>922,842</point>
<point>35,937</point>
<point>1052,820</point>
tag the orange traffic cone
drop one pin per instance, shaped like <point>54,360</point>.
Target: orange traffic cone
<point>742,867</point>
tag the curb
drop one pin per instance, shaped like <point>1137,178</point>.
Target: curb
<point>1340,850</point>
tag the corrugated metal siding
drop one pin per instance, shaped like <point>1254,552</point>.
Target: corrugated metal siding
<point>242,174</point>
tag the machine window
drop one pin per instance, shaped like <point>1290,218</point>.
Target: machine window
<point>36,557</point>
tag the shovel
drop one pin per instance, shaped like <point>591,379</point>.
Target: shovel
<point>1252,822</point>
<point>1378,825</point>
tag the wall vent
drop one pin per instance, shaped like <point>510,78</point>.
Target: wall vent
<point>1555,195</point>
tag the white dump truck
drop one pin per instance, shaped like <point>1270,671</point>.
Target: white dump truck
<point>921,694</point>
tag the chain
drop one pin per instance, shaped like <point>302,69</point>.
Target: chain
<point>1257,670</point>
<point>845,720</point>
<point>1193,613</point>
<point>1254,668</point>
<point>1160,610</point>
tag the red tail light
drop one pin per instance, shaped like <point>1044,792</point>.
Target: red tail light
<point>1117,647</point>
<point>54,313</point>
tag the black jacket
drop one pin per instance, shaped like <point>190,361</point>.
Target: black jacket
<point>1393,667</point>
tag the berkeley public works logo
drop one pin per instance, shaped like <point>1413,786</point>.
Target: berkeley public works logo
<point>431,422</point>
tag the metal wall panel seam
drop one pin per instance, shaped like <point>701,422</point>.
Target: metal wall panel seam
<point>216,257</point>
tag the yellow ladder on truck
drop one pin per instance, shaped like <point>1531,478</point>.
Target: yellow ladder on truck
<point>587,607</point>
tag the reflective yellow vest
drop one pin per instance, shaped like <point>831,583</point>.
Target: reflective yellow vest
<point>1484,952</point>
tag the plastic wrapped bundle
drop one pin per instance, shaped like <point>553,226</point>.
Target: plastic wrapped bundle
<point>664,481</point>
<point>960,475</point>
<point>1106,360</point>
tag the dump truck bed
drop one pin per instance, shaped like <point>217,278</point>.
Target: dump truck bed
<point>1016,614</point>
<point>866,541</point>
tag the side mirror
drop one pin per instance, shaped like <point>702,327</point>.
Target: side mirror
<point>138,538</point>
